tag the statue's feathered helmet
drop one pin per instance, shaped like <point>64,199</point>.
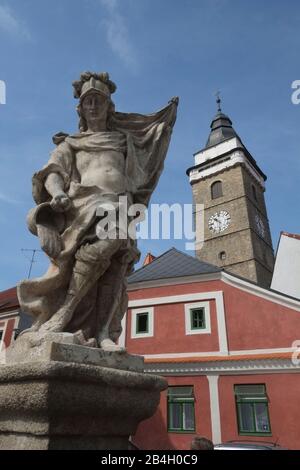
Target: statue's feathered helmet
<point>93,82</point>
<point>97,83</point>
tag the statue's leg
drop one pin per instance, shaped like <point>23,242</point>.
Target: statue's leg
<point>111,299</point>
<point>115,327</point>
<point>92,260</point>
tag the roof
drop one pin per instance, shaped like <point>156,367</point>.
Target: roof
<point>291,235</point>
<point>8,300</point>
<point>172,263</point>
<point>221,129</point>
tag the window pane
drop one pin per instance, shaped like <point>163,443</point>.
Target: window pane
<point>142,323</point>
<point>188,417</point>
<point>246,417</point>
<point>198,318</point>
<point>175,410</point>
<point>261,417</point>
<point>180,392</point>
<point>252,391</point>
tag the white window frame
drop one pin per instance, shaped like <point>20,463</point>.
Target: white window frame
<point>134,313</point>
<point>188,326</point>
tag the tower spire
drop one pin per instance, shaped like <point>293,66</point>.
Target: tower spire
<point>221,126</point>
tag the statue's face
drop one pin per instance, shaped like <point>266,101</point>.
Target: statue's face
<point>94,107</point>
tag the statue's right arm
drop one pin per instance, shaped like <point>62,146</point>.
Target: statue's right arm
<point>55,187</point>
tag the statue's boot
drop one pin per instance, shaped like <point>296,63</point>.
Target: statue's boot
<point>83,279</point>
<point>104,340</point>
<point>108,345</point>
<point>35,326</point>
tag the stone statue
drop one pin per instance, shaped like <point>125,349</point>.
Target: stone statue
<point>114,154</point>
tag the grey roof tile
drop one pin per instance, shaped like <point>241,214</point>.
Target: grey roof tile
<point>172,263</point>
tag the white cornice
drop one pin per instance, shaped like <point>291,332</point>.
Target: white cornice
<point>171,299</point>
<point>172,281</point>
<point>14,313</point>
<point>258,366</point>
<point>230,279</point>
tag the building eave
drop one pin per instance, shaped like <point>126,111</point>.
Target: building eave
<point>228,278</point>
<point>255,289</point>
<point>290,235</point>
<point>9,314</point>
<point>172,281</point>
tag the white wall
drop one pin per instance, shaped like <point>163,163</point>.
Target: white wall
<point>216,150</point>
<point>286,276</point>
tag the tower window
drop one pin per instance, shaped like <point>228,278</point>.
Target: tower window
<point>222,255</point>
<point>216,190</point>
<point>254,192</point>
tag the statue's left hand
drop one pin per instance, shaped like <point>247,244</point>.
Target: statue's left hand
<point>61,202</point>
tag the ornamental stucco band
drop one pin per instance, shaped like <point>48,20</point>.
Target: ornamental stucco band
<point>270,366</point>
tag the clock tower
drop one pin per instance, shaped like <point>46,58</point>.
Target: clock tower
<point>229,184</point>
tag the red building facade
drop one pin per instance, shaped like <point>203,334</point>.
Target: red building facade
<point>9,317</point>
<point>226,347</point>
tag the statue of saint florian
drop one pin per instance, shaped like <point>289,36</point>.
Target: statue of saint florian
<point>114,154</point>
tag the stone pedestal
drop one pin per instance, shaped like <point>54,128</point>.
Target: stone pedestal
<point>68,396</point>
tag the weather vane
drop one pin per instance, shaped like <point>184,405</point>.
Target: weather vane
<point>218,100</point>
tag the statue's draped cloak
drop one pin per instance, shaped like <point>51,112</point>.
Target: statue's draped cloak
<point>144,140</point>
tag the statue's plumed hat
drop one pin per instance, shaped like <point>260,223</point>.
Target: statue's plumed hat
<point>93,82</point>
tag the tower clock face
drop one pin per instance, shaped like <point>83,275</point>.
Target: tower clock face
<point>260,226</point>
<point>219,222</point>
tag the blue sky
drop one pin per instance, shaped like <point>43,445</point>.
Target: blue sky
<point>153,50</point>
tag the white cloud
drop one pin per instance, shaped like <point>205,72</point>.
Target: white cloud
<point>11,25</point>
<point>117,34</point>
<point>8,199</point>
<point>110,4</point>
